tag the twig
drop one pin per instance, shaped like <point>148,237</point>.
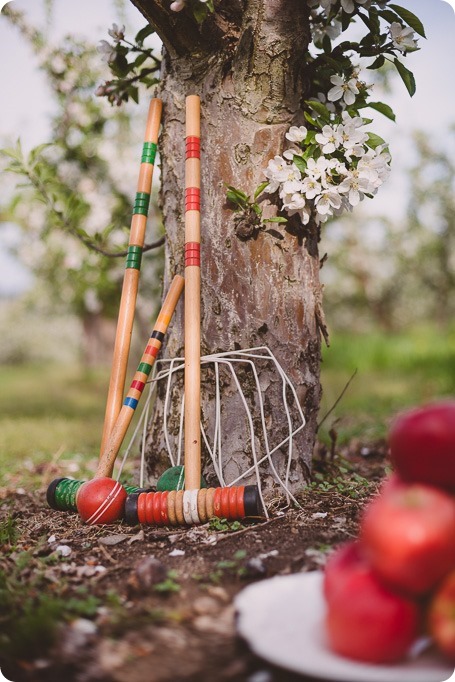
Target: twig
<point>337,400</point>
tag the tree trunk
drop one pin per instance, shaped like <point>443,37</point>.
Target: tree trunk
<point>97,335</point>
<point>260,287</point>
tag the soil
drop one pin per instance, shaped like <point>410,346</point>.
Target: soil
<point>170,617</point>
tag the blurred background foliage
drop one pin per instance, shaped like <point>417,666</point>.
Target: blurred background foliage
<point>389,284</point>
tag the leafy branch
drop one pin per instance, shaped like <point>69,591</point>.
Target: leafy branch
<point>53,194</point>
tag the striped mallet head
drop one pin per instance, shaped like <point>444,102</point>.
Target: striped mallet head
<point>192,507</point>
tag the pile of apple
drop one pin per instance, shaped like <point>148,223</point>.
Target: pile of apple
<point>397,581</point>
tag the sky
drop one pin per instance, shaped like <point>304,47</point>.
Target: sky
<point>26,109</point>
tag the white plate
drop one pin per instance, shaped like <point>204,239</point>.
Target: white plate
<point>282,621</point>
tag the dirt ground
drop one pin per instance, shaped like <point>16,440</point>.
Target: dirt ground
<point>121,604</point>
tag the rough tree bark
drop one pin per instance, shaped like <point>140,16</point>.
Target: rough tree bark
<point>247,64</point>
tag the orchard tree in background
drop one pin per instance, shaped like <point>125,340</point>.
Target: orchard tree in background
<point>74,209</point>
<point>430,229</point>
<point>395,275</point>
<point>283,149</point>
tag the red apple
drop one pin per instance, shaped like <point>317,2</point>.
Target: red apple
<point>342,563</point>
<point>367,621</point>
<point>441,616</point>
<point>408,536</point>
<point>422,444</point>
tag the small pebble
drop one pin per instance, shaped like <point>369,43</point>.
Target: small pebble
<point>64,550</point>
<point>177,552</point>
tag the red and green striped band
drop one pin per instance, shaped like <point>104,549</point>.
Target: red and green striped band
<point>144,367</point>
<point>148,152</point>
<point>152,350</point>
<point>134,257</point>
<point>141,203</point>
<point>138,385</point>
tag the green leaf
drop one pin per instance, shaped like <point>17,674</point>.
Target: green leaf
<point>389,16</point>
<point>406,76</point>
<point>383,109</point>
<point>300,163</point>
<point>411,19</point>
<point>319,108</point>
<point>133,92</point>
<point>237,197</point>
<point>345,21</point>
<point>374,140</point>
<point>144,33</point>
<point>200,12</point>
<point>313,151</point>
<point>374,20</point>
<point>311,120</point>
<point>380,61</point>
<point>278,219</point>
<point>36,152</point>
<point>260,188</point>
<point>327,44</point>
<point>238,193</point>
<point>140,59</point>
<point>120,66</point>
<point>310,138</point>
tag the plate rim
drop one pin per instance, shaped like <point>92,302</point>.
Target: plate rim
<point>349,667</point>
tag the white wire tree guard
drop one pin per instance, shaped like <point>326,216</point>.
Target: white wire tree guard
<point>166,369</point>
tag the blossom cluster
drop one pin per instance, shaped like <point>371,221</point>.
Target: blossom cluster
<point>343,169</point>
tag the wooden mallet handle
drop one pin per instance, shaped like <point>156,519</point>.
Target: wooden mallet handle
<point>131,278</point>
<point>192,324</point>
<point>115,440</point>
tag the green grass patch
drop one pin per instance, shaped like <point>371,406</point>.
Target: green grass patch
<point>394,372</point>
<point>46,412</point>
<point>31,611</point>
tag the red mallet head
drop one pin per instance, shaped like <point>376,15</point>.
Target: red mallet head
<point>101,500</point>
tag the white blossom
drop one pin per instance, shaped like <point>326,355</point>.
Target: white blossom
<point>330,139</point>
<point>296,134</point>
<point>290,177</point>
<point>117,32</point>
<point>349,6</point>
<point>107,51</point>
<point>327,200</point>
<point>355,187</point>
<point>351,136</point>
<point>356,121</point>
<point>274,167</point>
<point>311,187</point>
<point>291,152</point>
<point>375,165</point>
<point>333,30</point>
<point>346,90</point>
<point>294,202</point>
<point>318,169</point>
<point>402,37</point>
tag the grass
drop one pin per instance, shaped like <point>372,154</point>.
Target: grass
<point>393,372</point>
<point>49,412</point>
<point>55,412</point>
<point>33,610</point>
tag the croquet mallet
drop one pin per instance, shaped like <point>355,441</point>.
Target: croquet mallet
<point>192,505</point>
